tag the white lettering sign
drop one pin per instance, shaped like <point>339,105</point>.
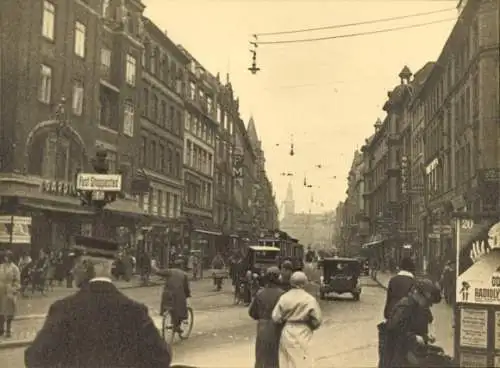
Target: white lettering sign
<point>102,182</point>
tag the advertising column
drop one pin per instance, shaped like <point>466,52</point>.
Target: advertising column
<point>477,311</point>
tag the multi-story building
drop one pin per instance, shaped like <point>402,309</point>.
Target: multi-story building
<point>267,216</point>
<point>200,131</point>
<point>69,84</point>
<point>461,99</point>
<point>162,136</point>
<point>244,185</point>
<point>356,225</point>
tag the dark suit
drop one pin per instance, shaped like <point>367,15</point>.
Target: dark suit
<point>175,293</point>
<point>98,327</point>
<point>399,287</point>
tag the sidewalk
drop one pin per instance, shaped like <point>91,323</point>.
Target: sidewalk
<point>443,326</point>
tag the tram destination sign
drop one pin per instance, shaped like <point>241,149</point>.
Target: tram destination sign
<point>99,182</point>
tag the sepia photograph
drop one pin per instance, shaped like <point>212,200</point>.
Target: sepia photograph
<point>249,183</point>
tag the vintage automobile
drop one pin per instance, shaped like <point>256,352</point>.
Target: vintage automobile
<point>340,276</point>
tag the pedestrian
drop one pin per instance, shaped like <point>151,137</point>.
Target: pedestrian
<point>299,314</point>
<point>286,273</point>
<point>268,332</point>
<point>175,293</point>
<point>399,286</point>
<point>98,326</point>
<point>10,284</point>
<point>407,325</point>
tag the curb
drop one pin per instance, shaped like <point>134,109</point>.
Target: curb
<point>15,344</point>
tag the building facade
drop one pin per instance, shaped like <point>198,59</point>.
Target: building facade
<point>161,145</point>
<point>200,133</point>
<point>439,145</point>
<point>227,113</point>
<point>69,85</point>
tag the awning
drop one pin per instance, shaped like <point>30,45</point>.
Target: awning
<point>201,231</point>
<point>373,244</point>
<point>56,207</point>
<point>125,207</point>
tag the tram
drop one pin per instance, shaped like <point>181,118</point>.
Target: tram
<point>288,245</point>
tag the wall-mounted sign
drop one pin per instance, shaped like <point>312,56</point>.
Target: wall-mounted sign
<point>474,328</point>
<point>404,175</point>
<point>58,188</point>
<point>102,182</point>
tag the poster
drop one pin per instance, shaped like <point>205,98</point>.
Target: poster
<point>478,261</point>
<point>471,360</point>
<point>21,229</point>
<point>474,328</point>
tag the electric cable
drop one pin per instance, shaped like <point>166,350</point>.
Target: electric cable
<point>351,35</point>
<point>336,26</point>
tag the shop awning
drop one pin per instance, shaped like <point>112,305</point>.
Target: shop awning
<point>56,207</point>
<point>125,207</point>
<point>372,244</point>
<point>208,232</point>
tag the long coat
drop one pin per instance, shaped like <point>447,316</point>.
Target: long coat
<point>300,314</point>
<point>399,286</point>
<point>10,283</point>
<point>268,332</point>
<point>98,327</point>
<point>175,292</point>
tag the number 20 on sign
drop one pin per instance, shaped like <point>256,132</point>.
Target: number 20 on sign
<point>466,224</point>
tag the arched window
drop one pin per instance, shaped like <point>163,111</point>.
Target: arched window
<point>146,54</point>
<point>166,69</point>
<point>153,60</point>
<point>55,156</point>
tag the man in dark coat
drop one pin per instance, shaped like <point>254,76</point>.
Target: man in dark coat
<point>286,273</point>
<point>268,333</point>
<point>175,293</point>
<point>98,326</point>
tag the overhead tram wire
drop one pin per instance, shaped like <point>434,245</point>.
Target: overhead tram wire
<point>345,25</point>
<point>351,35</point>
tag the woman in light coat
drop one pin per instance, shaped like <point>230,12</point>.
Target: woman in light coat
<point>299,314</point>
<point>9,288</point>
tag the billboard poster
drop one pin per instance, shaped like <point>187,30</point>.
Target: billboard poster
<point>478,261</point>
<point>20,227</point>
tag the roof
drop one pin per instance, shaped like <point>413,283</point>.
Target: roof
<point>263,248</point>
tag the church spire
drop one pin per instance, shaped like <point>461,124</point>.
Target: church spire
<point>252,132</point>
<point>289,202</point>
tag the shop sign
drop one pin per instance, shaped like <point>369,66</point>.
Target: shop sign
<point>96,182</point>
<point>442,229</point>
<point>404,174</point>
<point>58,188</point>
<point>473,360</point>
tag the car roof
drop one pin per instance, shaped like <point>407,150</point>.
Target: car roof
<point>264,248</point>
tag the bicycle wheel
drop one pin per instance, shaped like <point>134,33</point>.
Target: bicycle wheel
<point>167,327</point>
<point>187,325</point>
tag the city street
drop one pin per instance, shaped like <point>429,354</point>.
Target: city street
<point>223,334</point>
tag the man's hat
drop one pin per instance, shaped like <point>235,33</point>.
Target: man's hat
<point>95,247</point>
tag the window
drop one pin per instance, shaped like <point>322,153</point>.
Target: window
<point>111,160</point>
<point>80,34</point>
<point>152,60</point>
<point>187,121</point>
<point>77,104</point>
<point>145,102</point>
<point>178,164</point>
<point>171,117</point>
<point>145,202</point>
<point>162,158</point>
<point>154,107</point>
<point>164,205</point>
<point>171,205</point>
<point>105,60</point>
<point>154,201</point>
<point>152,156</point>
<point>128,119</point>
<point>130,70</point>
<point>143,151</point>
<point>105,8</point>
<point>163,113</point>
<point>48,20</point>
<point>45,88</point>
<point>192,91</point>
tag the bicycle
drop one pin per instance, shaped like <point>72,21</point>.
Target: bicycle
<point>167,327</point>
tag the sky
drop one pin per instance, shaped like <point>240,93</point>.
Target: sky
<point>324,96</point>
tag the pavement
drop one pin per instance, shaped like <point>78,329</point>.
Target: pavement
<point>35,308</point>
<point>223,336</point>
<point>443,326</point>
